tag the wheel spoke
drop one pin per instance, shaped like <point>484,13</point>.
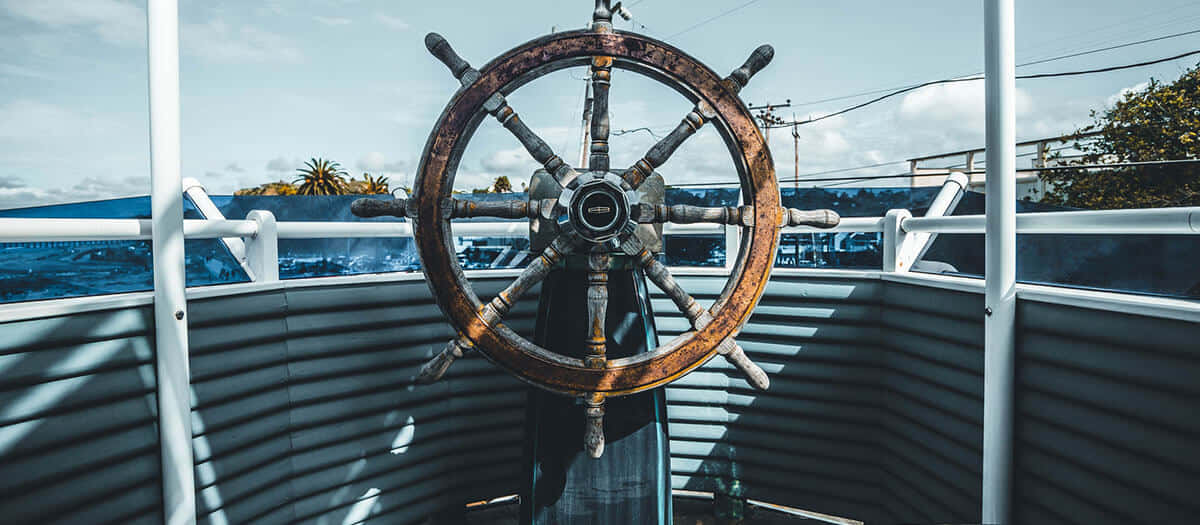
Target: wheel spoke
<point>436,367</point>
<point>593,433</point>
<point>694,120</point>
<point>813,218</point>
<point>507,209</point>
<point>697,315</point>
<point>496,309</point>
<point>498,107</point>
<point>660,152</point>
<point>597,306</point>
<point>687,214</point>
<point>601,81</point>
<point>379,208</point>
<point>538,269</point>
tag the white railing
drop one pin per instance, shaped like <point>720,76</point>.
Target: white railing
<point>905,238</point>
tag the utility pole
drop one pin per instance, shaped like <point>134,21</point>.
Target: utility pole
<point>586,125</point>
<point>796,151</point>
<point>766,120</point>
<point>766,117</point>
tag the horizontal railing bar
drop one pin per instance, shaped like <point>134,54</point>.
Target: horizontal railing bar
<point>1164,221</point>
<point>71,230</point>
<point>341,230</point>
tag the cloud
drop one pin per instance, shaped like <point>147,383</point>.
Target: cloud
<point>391,21</point>
<point>234,168</point>
<point>9,182</point>
<point>332,20</point>
<point>372,161</point>
<point>515,161</point>
<point>375,161</point>
<point>102,187</point>
<point>89,189</point>
<point>282,165</point>
<point>1120,95</point>
<point>960,105</point>
<point>218,41</point>
<point>115,21</point>
<point>214,174</point>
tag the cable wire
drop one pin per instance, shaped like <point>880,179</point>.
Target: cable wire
<point>708,20</point>
<point>1024,64</point>
<point>973,78</point>
<point>864,178</point>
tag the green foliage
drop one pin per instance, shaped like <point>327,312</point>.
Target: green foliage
<point>368,185</point>
<point>270,188</point>
<point>321,177</point>
<point>502,185</point>
<point>1160,122</point>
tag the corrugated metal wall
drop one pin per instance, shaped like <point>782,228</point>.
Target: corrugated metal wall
<point>811,440</point>
<point>1108,417</point>
<point>305,411</point>
<point>931,434</point>
<point>78,439</point>
<point>309,410</point>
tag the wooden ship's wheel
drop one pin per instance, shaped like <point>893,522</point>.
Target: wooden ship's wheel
<point>596,214</point>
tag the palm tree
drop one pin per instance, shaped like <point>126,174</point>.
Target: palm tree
<point>502,185</point>
<point>321,177</point>
<point>375,184</point>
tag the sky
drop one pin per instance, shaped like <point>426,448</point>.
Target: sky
<point>267,85</point>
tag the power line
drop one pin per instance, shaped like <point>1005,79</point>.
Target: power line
<point>1109,48</point>
<point>973,78</point>
<point>864,178</point>
<point>1031,63</point>
<point>708,20</point>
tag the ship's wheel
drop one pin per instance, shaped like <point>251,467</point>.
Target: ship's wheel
<point>596,214</point>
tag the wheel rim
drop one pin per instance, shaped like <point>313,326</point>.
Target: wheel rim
<point>670,66</point>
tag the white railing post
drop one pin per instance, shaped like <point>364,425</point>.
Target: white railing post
<point>262,250</point>
<point>1000,301</point>
<point>209,210</point>
<point>943,204</point>
<point>897,243</point>
<point>170,303</point>
<point>733,240</point>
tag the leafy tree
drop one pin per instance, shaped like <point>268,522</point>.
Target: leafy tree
<point>502,185</point>
<point>1160,122</point>
<point>270,188</point>
<point>321,177</point>
<point>368,185</point>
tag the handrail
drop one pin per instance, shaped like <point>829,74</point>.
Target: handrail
<point>68,230</point>
<point>1160,221</point>
<point>1154,221</point>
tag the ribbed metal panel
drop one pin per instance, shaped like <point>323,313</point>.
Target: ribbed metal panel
<point>1107,425</point>
<point>810,441</point>
<point>931,436</point>
<point>78,442</point>
<point>305,411</point>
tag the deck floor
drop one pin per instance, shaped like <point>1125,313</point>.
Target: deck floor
<point>688,511</point>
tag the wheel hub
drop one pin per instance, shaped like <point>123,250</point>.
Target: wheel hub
<point>597,208</point>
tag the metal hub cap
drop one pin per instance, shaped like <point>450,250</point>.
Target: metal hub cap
<point>597,207</point>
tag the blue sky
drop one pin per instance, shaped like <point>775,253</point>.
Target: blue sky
<point>268,84</point>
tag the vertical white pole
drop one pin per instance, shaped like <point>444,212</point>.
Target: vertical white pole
<point>170,303</point>
<point>1000,260</point>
